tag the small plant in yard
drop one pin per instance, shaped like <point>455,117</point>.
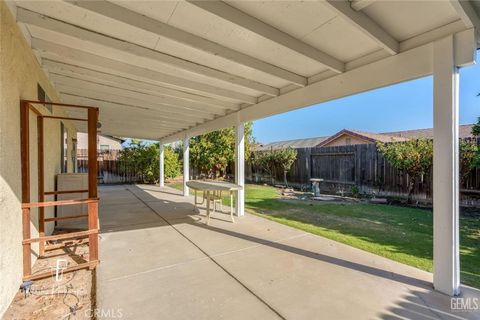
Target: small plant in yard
<point>414,157</point>
<point>355,191</point>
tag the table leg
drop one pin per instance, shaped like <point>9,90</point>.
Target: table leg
<point>221,201</point>
<point>208,207</point>
<point>195,201</point>
<point>231,206</point>
<point>213,201</point>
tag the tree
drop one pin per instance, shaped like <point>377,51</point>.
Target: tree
<point>414,157</point>
<point>142,160</point>
<point>281,158</point>
<point>284,159</point>
<point>171,163</point>
<point>212,152</point>
<point>266,161</point>
<point>468,155</point>
<point>476,134</point>
<point>476,128</point>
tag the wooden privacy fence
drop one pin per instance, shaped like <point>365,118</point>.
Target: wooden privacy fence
<point>110,169</point>
<point>343,167</point>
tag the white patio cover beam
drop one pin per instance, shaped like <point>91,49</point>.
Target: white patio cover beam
<point>240,167</point>
<point>129,112</point>
<point>181,115</point>
<point>186,165</point>
<point>408,65</point>
<point>161,164</point>
<point>364,24</point>
<point>63,53</point>
<point>177,106</point>
<point>42,21</point>
<point>78,72</point>
<point>467,13</point>
<point>248,22</point>
<point>404,66</point>
<point>358,5</point>
<point>122,14</point>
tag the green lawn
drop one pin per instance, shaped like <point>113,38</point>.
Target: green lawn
<point>398,233</point>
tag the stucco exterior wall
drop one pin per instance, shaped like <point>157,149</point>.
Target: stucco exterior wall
<point>82,142</point>
<point>342,141</point>
<point>20,72</point>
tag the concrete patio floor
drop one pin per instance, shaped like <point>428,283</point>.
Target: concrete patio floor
<point>160,261</point>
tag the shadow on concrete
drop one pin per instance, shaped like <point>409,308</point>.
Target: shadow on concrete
<point>431,305</point>
<point>191,217</point>
<point>426,304</point>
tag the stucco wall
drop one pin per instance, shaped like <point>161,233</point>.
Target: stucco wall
<point>20,72</point>
<point>82,142</point>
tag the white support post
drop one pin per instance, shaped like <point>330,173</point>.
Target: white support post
<point>161,166</point>
<point>240,168</point>
<point>446,263</point>
<point>186,165</point>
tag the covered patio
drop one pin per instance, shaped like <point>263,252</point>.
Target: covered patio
<point>169,71</point>
<point>160,260</point>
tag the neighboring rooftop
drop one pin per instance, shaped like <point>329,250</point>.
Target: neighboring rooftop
<point>296,143</point>
<point>363,135</point>
<point>465,131</point>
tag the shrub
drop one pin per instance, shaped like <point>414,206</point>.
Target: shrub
<point>355,191</point>
<point>172,163</point>
<point>281,158</point>
<point>414,157</point>
<point>142,160</point>
<point>213,152</point>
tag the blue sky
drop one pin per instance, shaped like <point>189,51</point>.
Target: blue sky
<point>403,106</point>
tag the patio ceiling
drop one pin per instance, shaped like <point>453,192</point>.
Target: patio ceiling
<point>166,69</point>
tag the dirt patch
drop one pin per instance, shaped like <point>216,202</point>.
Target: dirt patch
<point>70,296</point>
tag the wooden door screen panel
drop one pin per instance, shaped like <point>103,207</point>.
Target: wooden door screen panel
<point>92,201</point>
